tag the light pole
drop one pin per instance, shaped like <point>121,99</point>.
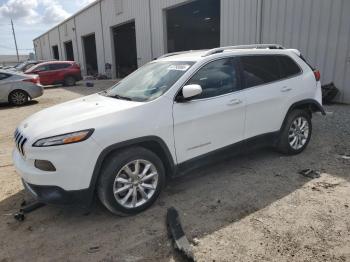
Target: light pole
<point>14,37</point>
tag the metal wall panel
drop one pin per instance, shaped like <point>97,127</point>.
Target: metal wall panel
<point>89,22</point>
<point>137,10</point>
<point>67,33</point>
<point>158,23</point>
<point>55,40</point>
<point>320,29</point>
<point>238,22</point>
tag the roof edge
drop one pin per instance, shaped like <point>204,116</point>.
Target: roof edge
<point>69,18</point>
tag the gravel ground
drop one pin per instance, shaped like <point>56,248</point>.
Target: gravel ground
<point>255,207</point>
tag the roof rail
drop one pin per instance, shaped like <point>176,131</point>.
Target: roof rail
<point>256,46</point>
<point>174,53</point>
<point>178,53</point>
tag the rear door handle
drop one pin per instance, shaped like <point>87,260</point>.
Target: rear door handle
<point>286,89</point>
<point>234,102</point>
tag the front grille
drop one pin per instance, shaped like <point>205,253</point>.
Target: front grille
<point>20,141</point>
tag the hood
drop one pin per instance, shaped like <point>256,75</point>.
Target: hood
<point>72,116</point>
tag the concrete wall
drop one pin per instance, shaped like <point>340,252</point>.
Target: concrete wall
<point>319,28</point>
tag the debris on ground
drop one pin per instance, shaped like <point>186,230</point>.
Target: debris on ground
<point>326,185</point>
<point>94,249</point>
<point>27,209</point>
<point>329,92</point>
<point>178,235</point>
<point>310,173</point>
<point>346,157</point>
<point>89,84</point>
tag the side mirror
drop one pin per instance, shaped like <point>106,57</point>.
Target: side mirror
<point>190,91</point>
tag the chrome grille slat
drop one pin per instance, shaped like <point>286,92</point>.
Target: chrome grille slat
<point>20,141</point>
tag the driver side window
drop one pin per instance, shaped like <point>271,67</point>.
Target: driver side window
<point>216,78</point>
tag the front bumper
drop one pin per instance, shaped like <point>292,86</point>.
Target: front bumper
<point>58,196</point>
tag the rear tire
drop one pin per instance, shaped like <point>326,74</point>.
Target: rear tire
<point>18,97</point>
<point>130,181</point>
<point>69,81</point>
<point>296,133</point>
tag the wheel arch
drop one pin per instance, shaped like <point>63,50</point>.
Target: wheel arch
<point>152,143</point>
<point>309,105</point>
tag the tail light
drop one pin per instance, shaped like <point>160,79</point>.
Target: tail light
<point>317,75</point>
<point>34,80</point>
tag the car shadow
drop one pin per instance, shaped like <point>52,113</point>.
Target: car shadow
<point>9,106</point>
<point>207,199</point>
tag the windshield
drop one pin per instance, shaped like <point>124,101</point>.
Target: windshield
<point>149,82</point>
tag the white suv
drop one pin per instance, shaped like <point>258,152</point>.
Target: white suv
<point>164,119</point>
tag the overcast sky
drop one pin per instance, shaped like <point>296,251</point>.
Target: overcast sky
<point>32,18</point>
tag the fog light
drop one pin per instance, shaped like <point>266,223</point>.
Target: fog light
<point>44,165</point>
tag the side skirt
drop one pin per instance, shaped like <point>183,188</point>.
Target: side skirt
<point>249,145</point>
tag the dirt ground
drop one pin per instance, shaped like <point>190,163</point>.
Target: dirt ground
<point>255,207</point>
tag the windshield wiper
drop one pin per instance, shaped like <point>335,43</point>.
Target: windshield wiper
<point>121,97</point>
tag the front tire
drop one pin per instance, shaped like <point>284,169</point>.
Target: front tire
<point>131,181</point>
<point>296,133</point>
<point>18,97</point>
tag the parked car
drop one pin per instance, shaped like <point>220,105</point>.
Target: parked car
<point>22,67</point>
<point>17,88</point>
<point>170,115</point>
<point>57,72</point>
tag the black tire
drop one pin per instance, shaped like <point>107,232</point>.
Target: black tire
<point>113,165</point>
<point>70,81</point>
<point>286,137</point>
<point>18,97</point>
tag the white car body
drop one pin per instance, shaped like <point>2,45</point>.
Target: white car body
<point>188,130</point>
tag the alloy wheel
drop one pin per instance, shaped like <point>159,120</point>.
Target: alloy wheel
<point>298,133</point>
<point>18,98</point>
<point>135,183</point>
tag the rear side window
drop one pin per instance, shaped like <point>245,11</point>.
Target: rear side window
<point>58,66</point>
<point>216,78</point>
<point>42,68</point>
<point>259,70</point>
<point>288,67</point>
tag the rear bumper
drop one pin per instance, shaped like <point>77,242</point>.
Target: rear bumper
<point>36,91</point>
<point>58,196</point>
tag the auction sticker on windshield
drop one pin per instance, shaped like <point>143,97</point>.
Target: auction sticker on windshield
<point>179,67</point>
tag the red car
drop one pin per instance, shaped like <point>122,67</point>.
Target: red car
<point>57,72</point>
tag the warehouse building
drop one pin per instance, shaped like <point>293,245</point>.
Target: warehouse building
<point>130,33</point>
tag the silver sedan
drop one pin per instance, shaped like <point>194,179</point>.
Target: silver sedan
<point>17,88</point>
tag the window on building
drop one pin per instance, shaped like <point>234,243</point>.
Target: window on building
<point>216,78</point>
<point>55,53</point>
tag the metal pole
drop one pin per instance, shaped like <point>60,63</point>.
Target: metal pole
<point>14,37</point>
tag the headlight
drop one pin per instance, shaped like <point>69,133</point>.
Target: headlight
<point>64,139</point>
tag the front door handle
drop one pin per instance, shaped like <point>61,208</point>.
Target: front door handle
<point>234,102</point>
<point>286,89</point>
